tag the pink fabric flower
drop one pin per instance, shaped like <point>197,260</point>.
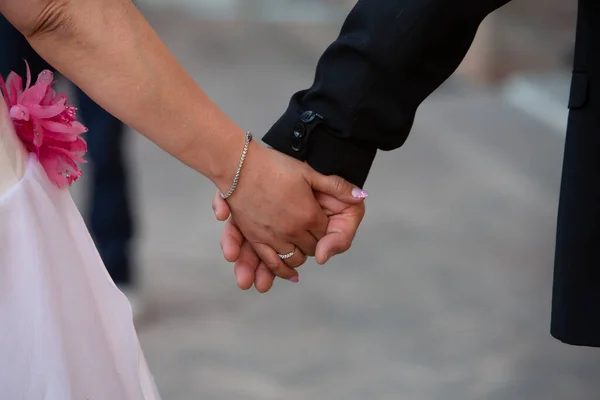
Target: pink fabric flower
<point>47,125</point>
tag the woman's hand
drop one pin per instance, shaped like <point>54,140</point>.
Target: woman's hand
<point>274,207</point>
<point>342,224</point>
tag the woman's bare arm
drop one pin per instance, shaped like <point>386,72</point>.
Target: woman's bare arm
<point>110,51</point>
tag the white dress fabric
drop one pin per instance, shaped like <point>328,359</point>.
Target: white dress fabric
<point>66,331</point>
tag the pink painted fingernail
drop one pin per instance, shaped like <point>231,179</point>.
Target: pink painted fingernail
<point>359,193</point>
<point>294,279</point>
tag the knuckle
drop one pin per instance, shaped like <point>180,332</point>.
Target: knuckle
<point>273,264</point>
<point>310,218</point>
<point>278,268</point>
<point>289,230</point>
<point>339,184</point>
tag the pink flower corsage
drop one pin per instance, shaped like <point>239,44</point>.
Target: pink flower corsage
<point>47,125</point>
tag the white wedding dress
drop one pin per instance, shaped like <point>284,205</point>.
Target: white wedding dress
<point>66,331</point>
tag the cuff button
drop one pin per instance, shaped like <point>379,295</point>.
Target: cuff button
<point>299,131</point>
<point>297,144</point>
<point>307,116</point>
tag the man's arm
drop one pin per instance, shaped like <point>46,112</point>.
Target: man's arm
<point>390,55</point>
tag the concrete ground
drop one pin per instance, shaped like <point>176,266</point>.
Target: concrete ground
<point>445,294</point>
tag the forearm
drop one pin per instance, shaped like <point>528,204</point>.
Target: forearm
<point>390,55</point>
<point>110,51</point>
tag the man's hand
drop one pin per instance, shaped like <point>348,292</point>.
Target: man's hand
<point>275,209</point>
<point>343,222</point>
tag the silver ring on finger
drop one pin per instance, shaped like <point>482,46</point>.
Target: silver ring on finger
<point>287,255</point>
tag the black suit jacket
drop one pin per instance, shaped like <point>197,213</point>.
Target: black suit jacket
<point>390,55</point>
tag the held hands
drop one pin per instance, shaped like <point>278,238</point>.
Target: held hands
<point>282,205</point>
<point>249,270</point>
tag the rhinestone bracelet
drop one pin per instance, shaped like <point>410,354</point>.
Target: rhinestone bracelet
<point>239,168</point>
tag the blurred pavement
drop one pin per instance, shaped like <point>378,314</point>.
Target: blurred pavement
<point>445,294</point>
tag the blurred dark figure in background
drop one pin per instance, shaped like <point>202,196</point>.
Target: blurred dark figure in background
<point>110,218</point>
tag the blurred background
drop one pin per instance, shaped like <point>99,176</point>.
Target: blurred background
<point>446,292</point>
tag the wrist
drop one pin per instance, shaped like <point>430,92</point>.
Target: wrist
<point>215,155</point>
<point>227,179</point>
<point>232,170</point>
<point>322,149</point>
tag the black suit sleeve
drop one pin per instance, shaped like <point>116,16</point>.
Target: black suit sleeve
<point>390,55</point>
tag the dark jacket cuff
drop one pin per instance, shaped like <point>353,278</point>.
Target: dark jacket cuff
<point>304,135</point>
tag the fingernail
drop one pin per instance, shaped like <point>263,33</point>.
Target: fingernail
<point>294,279</point>
<point>359,193</point>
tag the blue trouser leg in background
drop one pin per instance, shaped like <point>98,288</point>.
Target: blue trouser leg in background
<point>110,216</point>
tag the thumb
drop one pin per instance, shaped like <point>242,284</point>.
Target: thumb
<point>338,187</point>
<point>327,248</point>
<point>220,207</point>
<point>331,244</point>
